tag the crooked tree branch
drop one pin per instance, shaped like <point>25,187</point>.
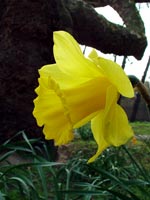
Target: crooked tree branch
<point>99,3</point>
<point>92,29</point>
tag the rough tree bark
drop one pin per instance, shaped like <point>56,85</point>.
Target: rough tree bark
<point>26,29</point>
<point>99,3</point>
<point>94,30</point>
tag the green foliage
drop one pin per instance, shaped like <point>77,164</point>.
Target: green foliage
<point>141,128</point>
<point>25,180</point>
<point>118,174</point>
<point>85,132</point>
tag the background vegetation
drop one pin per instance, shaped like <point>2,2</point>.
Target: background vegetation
<point>27,171</point>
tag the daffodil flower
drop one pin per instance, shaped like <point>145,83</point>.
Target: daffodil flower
<point>77,90</point>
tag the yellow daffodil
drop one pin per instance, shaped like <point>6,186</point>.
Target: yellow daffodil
<point>76,90</point>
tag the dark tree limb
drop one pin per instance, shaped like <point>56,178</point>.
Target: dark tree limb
<point>146,70</point>
<point>142,92</point>
<point>92,29</point>
<point>99,3</point>
<point>141,88</point>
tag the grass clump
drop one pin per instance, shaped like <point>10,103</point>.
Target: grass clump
<point>118,174</point>
<point>141,128</point>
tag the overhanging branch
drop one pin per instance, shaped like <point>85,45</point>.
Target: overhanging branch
<point>92,29</point>
<point>99,3</point>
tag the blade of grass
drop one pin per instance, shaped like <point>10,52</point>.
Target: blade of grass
<point>43,181</point>
<point>140,168</point>
<point>11,167</point>
<point>2,196</point>
<point>116,180</point>
<point>6,155</point>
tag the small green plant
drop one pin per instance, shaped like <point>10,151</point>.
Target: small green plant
<point>85,132</point>
<point>118,174</point>
<point>26,180</point>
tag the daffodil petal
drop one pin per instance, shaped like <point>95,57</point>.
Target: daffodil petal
<point>117,128</point>
<point>117,76</point>
<point>94,56</point>
<point>64,80</point>
<point>114,73</point>
<point>118,122</point>
<point>110,126</point>
<point>70,59</point>
<point>97,126</point>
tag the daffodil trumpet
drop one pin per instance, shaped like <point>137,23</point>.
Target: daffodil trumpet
<point>76,90</point>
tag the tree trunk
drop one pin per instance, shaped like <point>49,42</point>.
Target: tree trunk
<point>25,45</point>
